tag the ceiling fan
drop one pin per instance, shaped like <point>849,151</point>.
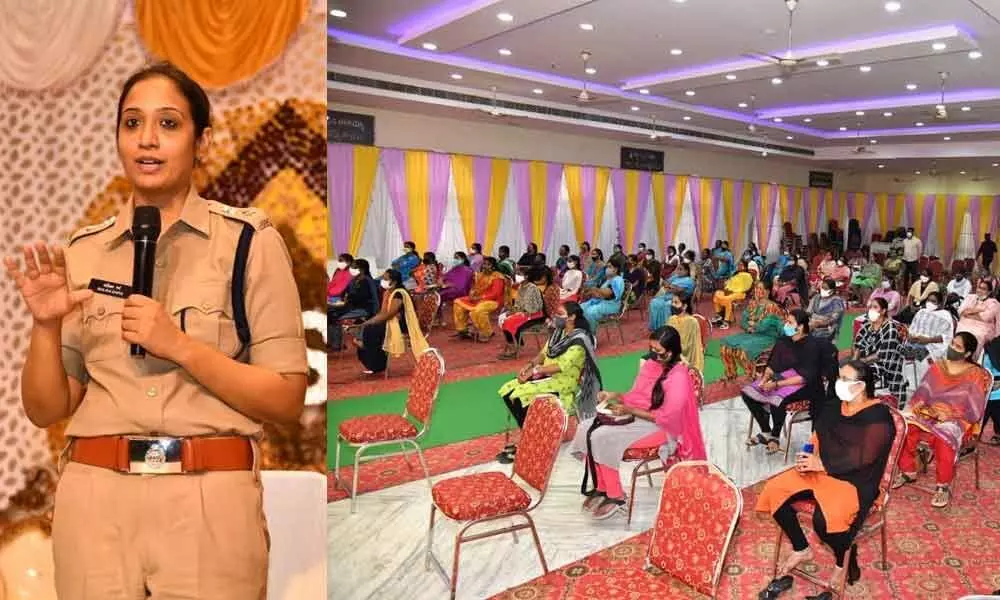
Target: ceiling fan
<point>940,111</point>
<point>585,96</point>
<point>788,62</point>
<point>494,110</point>
<point>861,148</point>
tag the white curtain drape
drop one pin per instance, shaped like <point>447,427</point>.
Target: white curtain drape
<point>46,44</point>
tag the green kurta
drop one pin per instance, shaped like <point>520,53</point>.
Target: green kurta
<point>564,383</point>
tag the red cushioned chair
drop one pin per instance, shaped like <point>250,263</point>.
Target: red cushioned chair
<point>647,456</point>
<point>695,524</point>
<point>874,523</point>
<point>373,431</point>
<point>484,497</point>
<point>706,331</point>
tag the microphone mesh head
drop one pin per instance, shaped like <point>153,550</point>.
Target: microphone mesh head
<point>146,222</point>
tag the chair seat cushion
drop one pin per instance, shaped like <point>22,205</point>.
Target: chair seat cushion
<point>479,496</point>
<point>797,406</point>
<point>376,428</point>
<point>636,454</point>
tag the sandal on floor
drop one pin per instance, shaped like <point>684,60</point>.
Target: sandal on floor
<point>506,456</point>
<point>824,595</point>
<point>759,439</point>
<point>609,508</point>
<point>776,443</point>
<point>593,501</point>
<point>995,440</point>
<point>776,588</point>
<point>901,480</point>
<point>942,496</point>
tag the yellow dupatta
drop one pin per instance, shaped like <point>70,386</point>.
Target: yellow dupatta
<point>395,344</point>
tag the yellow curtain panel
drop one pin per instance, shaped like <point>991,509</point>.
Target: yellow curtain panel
<point>219,42</point>
<point>737,206</point>
<point>481,189</point>
<point>669,192</point>
<point>365,167</point>
<point>790,201</point>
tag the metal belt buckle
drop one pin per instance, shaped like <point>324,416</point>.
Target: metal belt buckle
<point>154,455</point>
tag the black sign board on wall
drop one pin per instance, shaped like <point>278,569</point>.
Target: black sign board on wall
<point>821,179</point>
<point>642,160</point>
<point>350,128</point>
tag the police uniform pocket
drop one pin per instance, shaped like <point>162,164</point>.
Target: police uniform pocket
<point>101,331</point>
<point>205,312</point>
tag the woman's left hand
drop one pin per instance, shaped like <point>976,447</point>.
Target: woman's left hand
<point>146,322</point>
<point>808,463</point>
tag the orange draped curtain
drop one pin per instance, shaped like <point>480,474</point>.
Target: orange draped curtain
<point>219,42</point>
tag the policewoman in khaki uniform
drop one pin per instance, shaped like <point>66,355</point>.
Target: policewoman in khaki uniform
<point>160,494</point>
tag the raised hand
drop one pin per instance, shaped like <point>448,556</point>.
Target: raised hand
<point>43,283</point>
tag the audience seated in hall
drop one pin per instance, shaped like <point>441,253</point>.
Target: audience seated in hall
<point>826,311</point>
<point>878,344</point>
<point>680,282</point>
<point>930,334</point>
<point>762,324</point>
<point>978,314</point>
<point>457,281</point>
<point>487,295</point>
<point>689,328</point>
<point>735,290</point>
<point>340,279</point>
<point>601,302</point>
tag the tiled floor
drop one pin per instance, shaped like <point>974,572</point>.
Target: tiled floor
<point>378,553</point>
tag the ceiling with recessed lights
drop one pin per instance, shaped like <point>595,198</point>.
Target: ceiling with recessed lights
<point>865,82</point>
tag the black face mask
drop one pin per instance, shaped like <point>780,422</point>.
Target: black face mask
<point>676,310</point>
<point>954,355</point>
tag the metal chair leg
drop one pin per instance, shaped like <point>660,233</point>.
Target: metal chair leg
<point>454,566</point>
<point>430,539</point>
<point>538,543</point>
<point>336,464</point>
<point>354,485</point>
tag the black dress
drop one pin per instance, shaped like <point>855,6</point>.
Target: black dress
<point>371,354</point>
<point>360,302</point>
<point>807,357</point>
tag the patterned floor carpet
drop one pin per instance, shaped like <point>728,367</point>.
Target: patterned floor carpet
<point>933,554</point>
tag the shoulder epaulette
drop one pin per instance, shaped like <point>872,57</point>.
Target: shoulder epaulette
<point>254,217</point>
<point>92,229</point>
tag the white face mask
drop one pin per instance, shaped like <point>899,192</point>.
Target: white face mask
<point>825,293</point>
<point>873,314</point>
<point>931,306</point>
<point>341,265</point>
<point>519,278</point>
<point>355,272</point>
<point>909,234</point>
<point>571,264</point>
<point>386,284</point>
<point>924,279</point>
<point>843,389</point>
<point>886,285</point>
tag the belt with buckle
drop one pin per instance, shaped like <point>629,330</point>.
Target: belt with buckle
<point>160,455</point>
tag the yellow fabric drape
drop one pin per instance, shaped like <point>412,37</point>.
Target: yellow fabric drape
<point>580,196</point>
<point>538,178</point>
<point>833,202</point>
<point>987,208</point>
<point>219,42</point>
<point>790,202</point>
<point>890,209</point>
<point>499,179</point>
<point>917,219</point>
<point>812,205</point>
<point>765,214</point>
<point>365,167</point>
<point>395,343</point>
<point>418,195</point>
<point>465,195</point>
<point>631,209</point>
<point>703,204</point>
<point>670,222</point>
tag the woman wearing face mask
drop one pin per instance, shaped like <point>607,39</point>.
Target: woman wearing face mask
<point>427,275</point>
<point>489,292</point>
<point>572,280</point>
<point>340,280</point>
<point>826,311</point>
<point>606,300</point>
<point>528,310</point>
<point>886,291</point>
<point>851,443</point>
<point>659,307</point>
<point>682,319</point>
<point>762,323</point>
<point>670,262</point>
<point>382,335</point>
<point>566,367</point>
<point>707,267</point>
<point>563,260</point>
<point>865,281</point>
<point>476,257</point>
<point>457,282</point>
<point>596,270</point>
<point>792,373</point>
<point>978,314</point>
<point>946,410</point>
<point>959,285</point>
<point>790,288</point>
<point>916,297</point>
<point>664,408</point>
<point>406,263</point>
<point>654,270</point>
<point>929,335</point>
<point>359,303</point>
<point>878,344</point>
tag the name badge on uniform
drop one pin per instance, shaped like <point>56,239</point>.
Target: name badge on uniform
<point>110,288</point>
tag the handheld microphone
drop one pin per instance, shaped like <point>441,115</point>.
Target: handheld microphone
<point>145,231</point>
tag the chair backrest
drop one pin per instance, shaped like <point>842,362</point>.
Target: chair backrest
<point>695,522</point>
<point>540,439</point>
<point>424,385</point>
<point>903,330</point>
<point>625,304</point>
<point>699,385</point>
<point>705,327</point>
<point>885,484</point>
<point>551,300</point>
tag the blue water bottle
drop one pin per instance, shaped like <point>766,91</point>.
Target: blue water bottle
<point>808,448</point>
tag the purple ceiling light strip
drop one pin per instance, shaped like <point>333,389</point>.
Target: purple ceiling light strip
<point>387,47</point>
<point>950,97</point>
<point>436,17</point>
<point>842,47</point>
<point>928,130</point>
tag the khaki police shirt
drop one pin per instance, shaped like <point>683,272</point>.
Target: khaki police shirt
<point>192,279</point>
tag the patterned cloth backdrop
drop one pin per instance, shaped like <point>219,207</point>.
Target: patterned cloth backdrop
<point>60,171</point>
